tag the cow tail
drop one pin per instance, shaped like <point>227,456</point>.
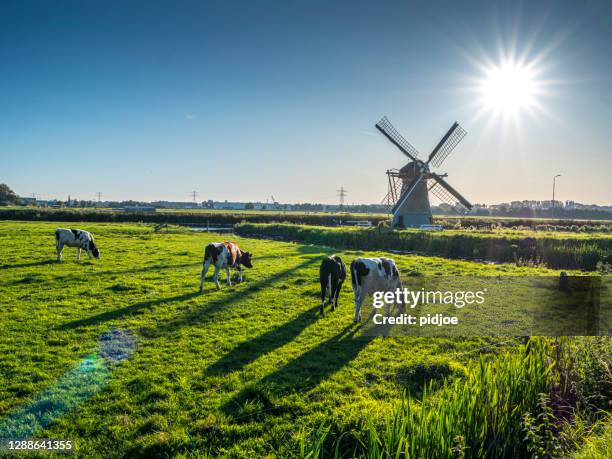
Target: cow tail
<point>329,286</point>
<point>57,236</point>
<point>354,278</point>
<point>210,252</point>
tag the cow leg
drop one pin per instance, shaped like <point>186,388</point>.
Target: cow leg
<point>323,292</point>
<point>239,273</point>
<point>216,277</point>
<point>336,295</point>
<point>359,294</point>
<point>78,254</point>
<point>205,267</point>
<point>229,277</point>
<point>358,302</point>
<point>59,247</point>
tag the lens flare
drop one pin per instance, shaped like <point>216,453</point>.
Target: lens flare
<point>508,88</point>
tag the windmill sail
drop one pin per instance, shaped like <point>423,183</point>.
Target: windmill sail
<point>447,144</point>
<point>446,192</point>
<point>385,126</point>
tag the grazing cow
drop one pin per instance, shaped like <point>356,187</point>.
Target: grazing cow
<point>82,240</point>
<point>331,275</point>
<point>224,255</point>
<point>369,275</point>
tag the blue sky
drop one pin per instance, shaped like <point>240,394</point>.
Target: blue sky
<point>240,100</point>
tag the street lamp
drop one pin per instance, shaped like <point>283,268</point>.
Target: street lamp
<point>553,199</point>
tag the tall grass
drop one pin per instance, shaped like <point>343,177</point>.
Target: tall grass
<point>481,415</point>
<point>555,252</point>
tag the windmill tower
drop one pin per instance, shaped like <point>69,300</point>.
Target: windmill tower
<point>409,187</point>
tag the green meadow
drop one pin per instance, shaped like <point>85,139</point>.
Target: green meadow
<point>250,370</point>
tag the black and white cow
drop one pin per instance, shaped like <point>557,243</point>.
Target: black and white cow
<point>369,275</point>
<point>82,240</point>
<point>224,255</point>
<point>332,274</point>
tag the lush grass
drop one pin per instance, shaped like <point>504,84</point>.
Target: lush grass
<point>243,371</point>
<point>597,445</point>
<point>526,402</point>
<point>480,415</point>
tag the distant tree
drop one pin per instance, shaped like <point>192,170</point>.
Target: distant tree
<point>7,196</point>
<point>249,206</point>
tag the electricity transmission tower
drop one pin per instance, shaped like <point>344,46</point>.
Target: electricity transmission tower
<point>194,195</point>
<point>99,196</point>
<point>342,194</point>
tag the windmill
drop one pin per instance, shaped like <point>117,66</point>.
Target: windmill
<point>409,187</point>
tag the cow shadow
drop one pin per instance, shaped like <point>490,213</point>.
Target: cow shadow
<point>144,269</point>
<point>250,350</point>
<point>302,374</point>
<point>209,311</point>
<point>197,316</point>
<point>126,311</point>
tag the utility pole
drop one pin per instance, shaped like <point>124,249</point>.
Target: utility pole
<point>553,199</point>
<point>342,194</point>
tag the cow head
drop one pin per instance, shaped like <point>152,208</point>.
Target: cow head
<point>92,250</point>
<point>245,259</point>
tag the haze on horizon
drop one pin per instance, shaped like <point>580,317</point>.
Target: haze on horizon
<point>150,100</point>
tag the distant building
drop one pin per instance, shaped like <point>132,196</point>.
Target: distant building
<point>27,201</point>
<point>227,205</point>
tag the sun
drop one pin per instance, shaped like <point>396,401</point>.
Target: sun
<point>508,88</point>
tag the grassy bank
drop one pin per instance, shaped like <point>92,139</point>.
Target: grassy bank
<point>555,250</point>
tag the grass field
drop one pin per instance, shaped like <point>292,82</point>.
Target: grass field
<point>243,371</point>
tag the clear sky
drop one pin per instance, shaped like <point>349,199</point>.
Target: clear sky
<point>241,100</point>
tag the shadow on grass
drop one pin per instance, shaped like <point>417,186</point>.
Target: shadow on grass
<point>300,375</point>
<point>208,311</point>
<point>127,271</point>
<point>250,350</point>
<point>144,269</point>
<point>193,317</point>
<point>29,265</point>
<point>122,312</point>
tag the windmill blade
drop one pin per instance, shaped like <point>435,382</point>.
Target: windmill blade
<point>447,144</point>
<point>385,126</point>
<point>448,193</point>
<point>409,189</point>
